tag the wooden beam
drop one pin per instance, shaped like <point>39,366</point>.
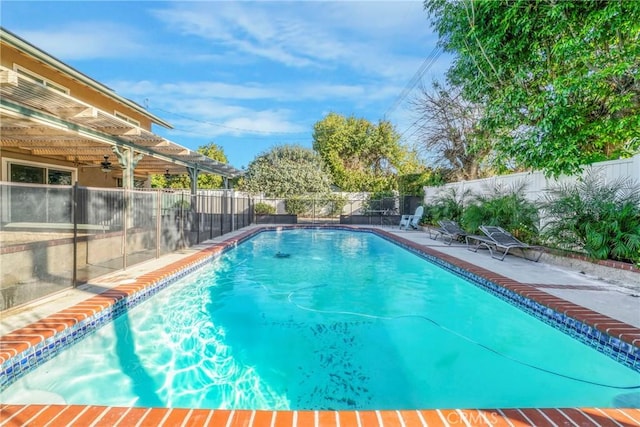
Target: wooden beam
<point>77,112</point>
<point>8,77</point>
<point>48,142</point>
<point>98,151</point>
<point>122,131</point>
<point>28,131</point>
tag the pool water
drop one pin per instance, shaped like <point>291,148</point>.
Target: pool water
<point>320,319</point>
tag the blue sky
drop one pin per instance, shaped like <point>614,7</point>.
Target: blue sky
<point>246,75</point>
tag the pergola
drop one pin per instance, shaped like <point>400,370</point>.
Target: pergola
<point>47,123</point>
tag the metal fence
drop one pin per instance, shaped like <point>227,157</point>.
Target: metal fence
<point>53,237</point>
<point>344,208</point>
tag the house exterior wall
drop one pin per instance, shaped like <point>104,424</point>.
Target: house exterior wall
<point>87,176</point>
<point>11,57</point>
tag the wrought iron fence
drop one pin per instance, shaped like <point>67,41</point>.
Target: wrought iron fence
<point>344,208</point>
<point>53,237</point>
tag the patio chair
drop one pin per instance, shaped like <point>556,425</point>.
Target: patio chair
<point>501,242</point>
<point>449,230</point>
<point>412,221</point>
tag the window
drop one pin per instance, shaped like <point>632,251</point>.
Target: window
<point>36,202</point>
<point>41,80</point>
<point>34,173</point>
<point>127,119</point>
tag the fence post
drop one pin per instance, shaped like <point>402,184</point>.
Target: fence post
<point>223,205</point>
<point>233,210</point>
<point>195,209</point>
<point>74,215</point>
<point>210,210</point>
<point>158,221</point>
<point>125,226</point>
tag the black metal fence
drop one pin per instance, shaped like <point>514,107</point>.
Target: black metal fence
<point>344,208</point>
<point>54,237</point>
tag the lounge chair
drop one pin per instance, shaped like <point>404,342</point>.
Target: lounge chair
<point>411,220</point>
<point>449,230</point>
<point>500,242</point>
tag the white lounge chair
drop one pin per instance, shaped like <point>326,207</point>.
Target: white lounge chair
<point>411,221</point>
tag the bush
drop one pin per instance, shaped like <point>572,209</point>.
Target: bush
<point>296,205</point>
<point>600,219</point>
<point>336,204</point>
<point>508,209</point>
<point>448,205</point>
<point>262,208</point>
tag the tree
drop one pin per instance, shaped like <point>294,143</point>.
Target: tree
<point>449,130</point>
<point>205,180</point>
<point>559,79</point>
<point>361,156</point>
<point>215,152</point>
<point>286,170</point>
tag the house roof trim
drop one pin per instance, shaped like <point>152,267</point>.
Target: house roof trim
<point>17,42</point>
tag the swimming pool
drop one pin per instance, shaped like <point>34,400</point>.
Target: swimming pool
<point>347,320</point>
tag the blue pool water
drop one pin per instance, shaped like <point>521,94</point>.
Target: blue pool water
<point>347,320</point>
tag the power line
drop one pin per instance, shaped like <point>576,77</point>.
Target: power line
<point>424,67</point>
<point>421,118</point>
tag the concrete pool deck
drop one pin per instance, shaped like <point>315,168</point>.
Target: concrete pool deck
<point>612,292</point>
<point>616,301</point>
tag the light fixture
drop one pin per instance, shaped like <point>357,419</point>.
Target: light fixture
<point>105,165</point>
<point>167,175</point>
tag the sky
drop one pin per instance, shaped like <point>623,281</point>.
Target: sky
<point>246,75</point>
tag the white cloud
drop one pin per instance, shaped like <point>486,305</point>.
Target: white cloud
<point>213,109</point>
<point>241,122</point>
<point>196,89</point>
<point>205,92</point>
<point>369,37</point>
<point>87,40</point>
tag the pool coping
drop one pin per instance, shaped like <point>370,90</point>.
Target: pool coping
<point>77,415</point>
<point>28,347</point>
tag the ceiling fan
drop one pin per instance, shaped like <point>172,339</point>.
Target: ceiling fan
<point>105,165</point>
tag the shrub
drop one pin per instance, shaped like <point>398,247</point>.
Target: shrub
<point>296,205</point>
<point>336,203</point>
<point>508,209</point>
<point>600,219</point>
<point>262,208</point>
<point>448,204</point>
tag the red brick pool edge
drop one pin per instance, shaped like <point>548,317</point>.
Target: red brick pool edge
<point>75,415</point>
<point>20,340</point>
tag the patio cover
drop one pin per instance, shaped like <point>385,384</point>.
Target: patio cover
<point>48,123</point>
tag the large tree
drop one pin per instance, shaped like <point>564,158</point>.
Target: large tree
<point>361,156</point>
<point>205,180</point>
<point>286,170</point>
<point>559,79</point>
<point>449,131</point>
